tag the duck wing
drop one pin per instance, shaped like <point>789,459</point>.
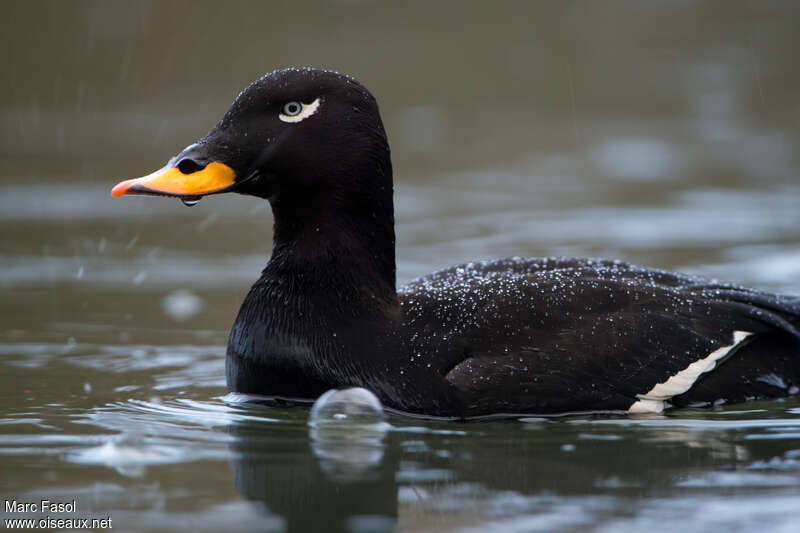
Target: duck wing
<point>546,336</point>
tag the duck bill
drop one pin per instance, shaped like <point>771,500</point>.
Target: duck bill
<point>170,181</point>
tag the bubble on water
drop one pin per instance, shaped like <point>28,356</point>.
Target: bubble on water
<point>356,404</point>
<point>347,433</point>
<point>182,304</point>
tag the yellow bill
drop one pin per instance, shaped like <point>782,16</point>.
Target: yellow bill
<point>169,181</point>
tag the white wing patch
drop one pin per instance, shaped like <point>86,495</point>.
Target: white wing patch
<point>307,111</point>
<point>653,400</point>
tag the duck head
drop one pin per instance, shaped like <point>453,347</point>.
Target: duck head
<point>311,135</point>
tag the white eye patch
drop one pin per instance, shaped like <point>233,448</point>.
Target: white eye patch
<point>306,111</point>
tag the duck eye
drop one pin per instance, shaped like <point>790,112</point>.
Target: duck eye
<point>298,111</point>
<point>292,109</point>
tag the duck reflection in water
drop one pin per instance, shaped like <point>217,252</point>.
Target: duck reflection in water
<point>346,479</point>
<point>352,471</point>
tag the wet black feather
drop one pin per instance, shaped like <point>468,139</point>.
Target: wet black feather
<point>511,336</point>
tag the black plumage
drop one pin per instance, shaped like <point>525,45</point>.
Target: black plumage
<point>501,338</point>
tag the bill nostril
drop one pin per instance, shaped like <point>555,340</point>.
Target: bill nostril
<point>188,166</point>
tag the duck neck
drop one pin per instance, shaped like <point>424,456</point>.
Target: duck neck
<point>326,301</point>
<point>335,245</point>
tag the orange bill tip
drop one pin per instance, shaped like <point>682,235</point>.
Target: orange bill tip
<point>121,188</point>
<point>170,181</point>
